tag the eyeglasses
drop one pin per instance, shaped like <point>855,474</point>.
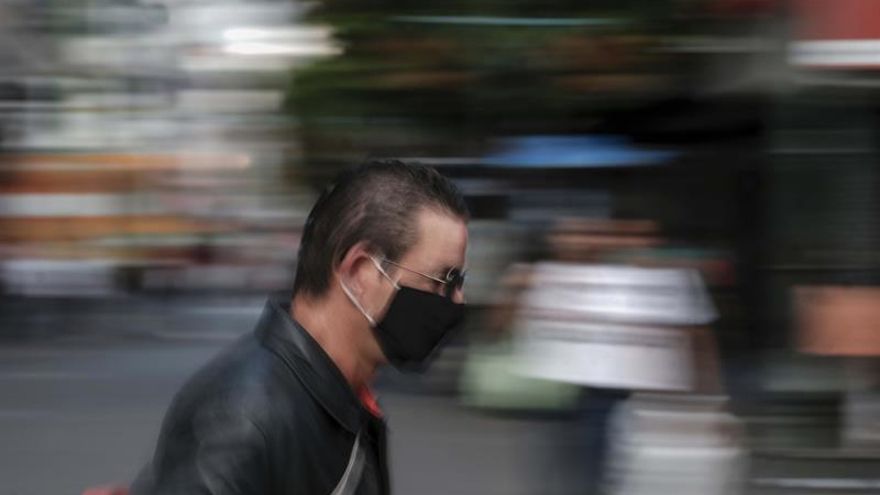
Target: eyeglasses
<point>453,281</point>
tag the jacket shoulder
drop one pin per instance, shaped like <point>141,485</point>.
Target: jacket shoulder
<point>246,380</point>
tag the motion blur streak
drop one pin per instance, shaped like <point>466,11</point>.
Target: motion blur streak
<point>673,275</point>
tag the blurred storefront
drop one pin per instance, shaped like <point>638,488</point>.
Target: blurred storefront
<point>144,148</point>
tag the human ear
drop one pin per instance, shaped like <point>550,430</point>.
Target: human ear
<point>356,270</point>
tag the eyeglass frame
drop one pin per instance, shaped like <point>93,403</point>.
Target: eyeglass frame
<point>450,284</point>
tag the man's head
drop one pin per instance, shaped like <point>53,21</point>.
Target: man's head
<point>378,205</point>
<point>380,227</point>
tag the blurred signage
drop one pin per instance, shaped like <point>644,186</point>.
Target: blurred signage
<point>838,321</point>
<point>838,34</point>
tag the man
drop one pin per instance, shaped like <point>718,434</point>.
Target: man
<point>287,410</point>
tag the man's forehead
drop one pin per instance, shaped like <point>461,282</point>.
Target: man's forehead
<point>442,240</point>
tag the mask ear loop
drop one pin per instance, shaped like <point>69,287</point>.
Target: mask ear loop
<point>384,273</point>
<point>354,300</point>
<point>357,304</point>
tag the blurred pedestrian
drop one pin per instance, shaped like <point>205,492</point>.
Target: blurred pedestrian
<point>288,409</point>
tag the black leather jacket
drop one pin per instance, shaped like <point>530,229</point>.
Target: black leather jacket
<point>271,415</point>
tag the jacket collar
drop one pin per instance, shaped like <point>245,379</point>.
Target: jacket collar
<point>281,334</point>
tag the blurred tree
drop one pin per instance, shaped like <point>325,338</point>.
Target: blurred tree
<point>440,78</point>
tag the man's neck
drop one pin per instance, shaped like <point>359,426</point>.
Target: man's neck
<point>332,330</point>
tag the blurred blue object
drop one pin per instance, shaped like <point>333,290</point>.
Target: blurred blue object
<point>574,152</point>
<point>507,21</point>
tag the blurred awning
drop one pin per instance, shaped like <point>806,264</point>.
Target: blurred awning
<point>574,152</point>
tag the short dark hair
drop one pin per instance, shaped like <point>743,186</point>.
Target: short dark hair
<point>374,203</point>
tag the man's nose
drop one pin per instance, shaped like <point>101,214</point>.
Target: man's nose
<point>458,296</point>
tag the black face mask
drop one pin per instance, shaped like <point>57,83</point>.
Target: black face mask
<point>415,326</point>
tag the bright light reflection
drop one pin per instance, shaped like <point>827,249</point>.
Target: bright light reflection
<point>277,33</point>
<point>281,49</point>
